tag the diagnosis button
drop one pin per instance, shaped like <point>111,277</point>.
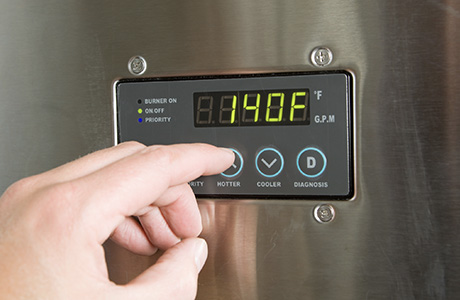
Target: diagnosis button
<point>269,162</point>
<point>311,162</point>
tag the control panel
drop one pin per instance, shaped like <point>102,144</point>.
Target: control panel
<point>291,133</point>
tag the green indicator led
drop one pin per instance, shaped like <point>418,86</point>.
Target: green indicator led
<point>139,110</point>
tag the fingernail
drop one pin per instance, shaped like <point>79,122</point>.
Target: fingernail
<point>201,253</point>
<point>227,150</point>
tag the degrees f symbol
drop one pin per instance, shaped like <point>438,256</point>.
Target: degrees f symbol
<point>318,94</point>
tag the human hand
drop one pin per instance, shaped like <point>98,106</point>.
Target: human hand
<point>53,225</point>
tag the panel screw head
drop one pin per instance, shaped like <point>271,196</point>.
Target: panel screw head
<point>324,213</point>
<point>137,65</point>
<point>321,56</point>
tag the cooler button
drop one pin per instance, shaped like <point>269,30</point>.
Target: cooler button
<point>311,162</point>
<point>269,162</point>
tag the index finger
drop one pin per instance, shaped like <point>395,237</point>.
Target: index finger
<point>136,181</point>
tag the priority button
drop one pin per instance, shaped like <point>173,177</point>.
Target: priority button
<point>236,167</point>
<point>311,162</point>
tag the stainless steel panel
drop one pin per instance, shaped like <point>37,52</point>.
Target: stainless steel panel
<point>396,240</point>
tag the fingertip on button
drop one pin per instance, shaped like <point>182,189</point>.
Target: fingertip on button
<point>236,167</point>
<point>228,150</point>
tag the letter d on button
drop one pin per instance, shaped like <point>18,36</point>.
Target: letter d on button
<point>311,162</point>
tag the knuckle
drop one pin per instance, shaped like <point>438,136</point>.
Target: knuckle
<point>134,145</point>
<point>43,210</point>
<point>64,191</point>
<point>163,156</point>
<point>20,187</point>
<point>58,203</point>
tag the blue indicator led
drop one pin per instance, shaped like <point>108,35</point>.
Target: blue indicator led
<point>139,120</point>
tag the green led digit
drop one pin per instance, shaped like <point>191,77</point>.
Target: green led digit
<point>227,113</point>
<point>254,108</point>
<point>233,109</point>
<point>298,106</point>
<point>271,108</point>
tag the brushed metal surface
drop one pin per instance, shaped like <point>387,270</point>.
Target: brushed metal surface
<point>397,240</point>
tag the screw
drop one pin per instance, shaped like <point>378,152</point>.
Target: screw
<point>321,56</point>
<point>324,213</point>
<point>137,65</point>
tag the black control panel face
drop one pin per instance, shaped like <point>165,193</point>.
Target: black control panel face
<point>291,133</point>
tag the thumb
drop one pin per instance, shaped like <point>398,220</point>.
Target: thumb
<point>174,275</point>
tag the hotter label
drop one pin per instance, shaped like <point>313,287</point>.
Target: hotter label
<point>228,183</point>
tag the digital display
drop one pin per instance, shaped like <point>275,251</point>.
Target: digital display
<point>292,133</point>
<point>252,108</point>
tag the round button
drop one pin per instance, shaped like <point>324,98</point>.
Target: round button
<point>269,162</point>
<point>311,162</point>
<point>236,167</point>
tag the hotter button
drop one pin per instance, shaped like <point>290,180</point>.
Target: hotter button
<point>269,162</point>
<point>236,167</point>
<point>311,162</point>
